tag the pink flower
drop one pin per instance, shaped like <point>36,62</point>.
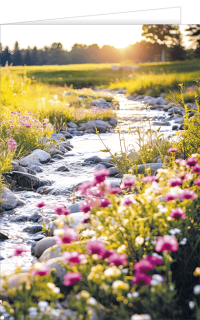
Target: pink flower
<point>28,125</point>
<point>197,182</point>
<point>175,182</point>
<point>128,182</point>
<point>143,265</point>
<point>172,150</point>
<point>44,124</point>
<point>73,257</point>
<point>18,250</point>
<point>117,259</point>
<point>11,144</point>
<point>36,115</point>
<point>20,130</point>
<point>196,168</point>
<point>141,279</point>
<point>40,204</point>
<point>3,122</point>
<point>128,201</point>
<point>105,253</point>
<point>170,196</point>
<point>61,209</point>
<point>149,179</point>
<point>85,206</point>
<point>40,270</point>
<point>11,126</point>
<point>166,243</point>
<point>84,188</point>
<point>177,214</point>
<point>178,160</point>
<point>191,161</point>
<point>188,194</point>
<point>7,130</point>
<point>86,220</point>
<point>65,235</point>
<point>101,174</point>
<point>113,190</point>
<point>30,112</point>
<point>154,259</point>
<point>95,247</point>
<point>71,278</point>
<point>104,202</point>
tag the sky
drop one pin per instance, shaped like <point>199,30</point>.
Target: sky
<point>118,36</point>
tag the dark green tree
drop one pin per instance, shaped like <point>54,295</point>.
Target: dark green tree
<point>27,58</point>
<point>17,58</point>
<point>193,31</point>
<point>5,56</point>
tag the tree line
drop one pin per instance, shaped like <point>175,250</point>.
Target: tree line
<point>157,39</point>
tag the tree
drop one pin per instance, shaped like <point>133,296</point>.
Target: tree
<point>17,58</point>
<point>27,58</point>
<point>56,45</point>
<point>193,31</point>
<point>5,56</point>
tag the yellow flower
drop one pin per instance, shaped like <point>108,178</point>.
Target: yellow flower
<point>112,272</point>
<point>196,272</point>
<point>118,284</point>
<point>121,249</point>
<point>97,268</point>
<point>139,241</point>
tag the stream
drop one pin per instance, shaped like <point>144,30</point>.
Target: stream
<point>131,114</point>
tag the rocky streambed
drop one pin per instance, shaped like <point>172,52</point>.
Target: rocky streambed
<point>53,175</point>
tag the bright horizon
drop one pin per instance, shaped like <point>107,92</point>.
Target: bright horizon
<point>119,36</point>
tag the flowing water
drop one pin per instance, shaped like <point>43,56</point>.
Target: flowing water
<point>131,115</point>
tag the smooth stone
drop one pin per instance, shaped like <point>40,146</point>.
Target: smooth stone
<point>107,164</point>
<point>38,237</point>
<point>33,172</point>
<point>94,159</point>
<point>175,127</point>
<point>2,258</point>
<point>72,125</point>
<point>62,169</point>
<point>59,270</point>
<point>19,168</point>
<point>99,166</point>
<point>14,281</point>
<point>52,227</point>
<point>57,136</point>
<point>43,244</point>
<point>91,131</point>
<point>31,194</point>
<point>35,217</point>
<point>44,190</point>
<point>19,218</point>
<point>65,144</point>
<point>154,167</point>
<point>77,217</point>
<point>37,155</point>
<point>161,100</point>
<point>24,180</point>
<point>58,157</point>
<point>74,207</point>
<point>60,191</point>
<point>33,245</point>
<point>78,133</point>
<point>179,120</point>
<point>35,168</point>
<point>113,171</point>
<point>3,236</point>
<point>33,229</point>
<point>159,160</point>
<point>112,121</point>
<point>68,135</point>
<point>51,254</point>
<point>10,200</point>
<point>158,123</point>
<point>52,151</point>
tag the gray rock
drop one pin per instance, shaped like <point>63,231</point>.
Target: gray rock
<point>72,125</point>
<point>179,120</point>
<point>62,169</point>
<point>52,227</point>
<point>37,155</point>
<point>59,270</point>
<point>154,167</point>
<point>92,131</point>
<point>78,133</point>
<point>33,229</point>
<point>175,127</point>
<point>35,168</point>
<point>19,168</point>
<point>10,200</point>
<point>52,151</point>
<point>35,217</point>
<point>65,144</point>
<point>43,244</point>
<point>51,254</point>
<point>31,171</point>
<point>2,258</point>
<point>44,190</point>
<point>61,191</point>
<point>14,281</point>
<point>58,156</point>
<point>158,123</point>
<point>113,171</point>
<point>68,135</point>
<point>24,180</point>
<point>112,121</point>
<point>159,160</point>
<point>38,236</point>
<point>77,217</point>
<point>33,245</point>
<point>57,136</point>
<point>3,236</point>
<point>106,164</point>
<point>161,100</point>
<point>94,159</point>
<point>74,207</point>
<point>19,218</point>
<point>100,165</point>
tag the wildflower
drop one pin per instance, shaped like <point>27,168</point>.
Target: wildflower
<point>177,214</point>
<point>118,284</point>
<point>166,243</point>
<point>196,272</point>
<point>113,190</point>
<point>85,187</point>
<point>174,231</point>
<point>197,182</point>
<point>28,125</point>
<point>191,161</point>
<point>178,160</point>
<point>196,289</point>
<point>44,124</point>
<point>139,240</point>
<point>188,194</point>
<point>104,202</point>
<point>112,272</point>
<point>143,266</point>
<point>95,247</point>
<point>71,278</point>
<point>3,122</point>
<point>86,220</point>
<point>183,241</point>
<point>191,305</point>
<point>128,201</point>
<point>117,259</point>
<point>85,206</point>
<point>92,301</point>
<point>175,182</point>
<point>73,257</point>
<point>7,130</point>
<point>158,278</point>
<point>11,144</point>
<point>40,269</point>
<point>11,126</point>
<point>173,150</point>
<point>33,312</point>
<point>43,305</point>
<point>149,179</point>
<point>61,209</point>
<point>154,259</point>
<point>55,97</point>
<point>128,182</point>
<point>18,250</point>
<point>65,235</point>
<point>30,112</point>
<point>141,279</point>
<point>196,168</point>
<point>170,196</point>
<point>36,115</point>
<point>41,204</point>
<point>101,174</point>
<point>121,249</point>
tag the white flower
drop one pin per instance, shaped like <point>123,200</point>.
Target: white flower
<point>136,317</point>
<point>129,295</point>
<point>56,290</point>
<point>43,305</point>
<point>2,309</point>
<point>146,317</point>
<point>147,238</point>
<point>92,301</point>
<point>154,282</point>
<point>55,312</point>
<point>157,277</point>
<point>112,271</point>
<point>88,233</point>
<point>171,287</point>
<point>124,270</point>
<point>55,97</point>
<point>32,309</point>
<point>43,100</point>
<point>118,284</point>
<point>135,294</point>
<point>162,209</point>
<point>176,190</point>
<point>183,241</point>
<point>196,289</point>
<point>174,231</point>
<point>121,248</point>
<point>191,305</point>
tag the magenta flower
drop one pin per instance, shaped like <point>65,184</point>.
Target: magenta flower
<point>11,144</point>
<point>28,125</point>
<point>85,187</point>
<point>143,265</point>
<point>128,182</point>
<point>166,243</point>
<point>196,168</point>
<point>11,126</point>
<point>73,257</point>
<point>154,259</point>
<point>175,182</point>
<point>65,235</point>
<point>86,220</point>
<point>40,204</point>
<point>44,124</point>
<point>104,202</point>
<point>7,130</point>
<point>149,179</point>
<point>128,201</point>
<point>117,259</point>
<point>61,209</point>
<point>191,161</point>
<point>141,279</point>
<point>41,270</point>
<point>170,196</point>
<point>113,190</point>
<point>85,206</point>
<point>178,160</point>
<point>71,278</point>
<point>18,250</point>
<point>95,247</point>
<point>105,253</point>
<point>177,214</point>
<point>101,174</point>
<point>197,182</point>
<point>172,150</point>
<point>188,194</point>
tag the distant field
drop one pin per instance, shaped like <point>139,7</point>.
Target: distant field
<point>150,78</point>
